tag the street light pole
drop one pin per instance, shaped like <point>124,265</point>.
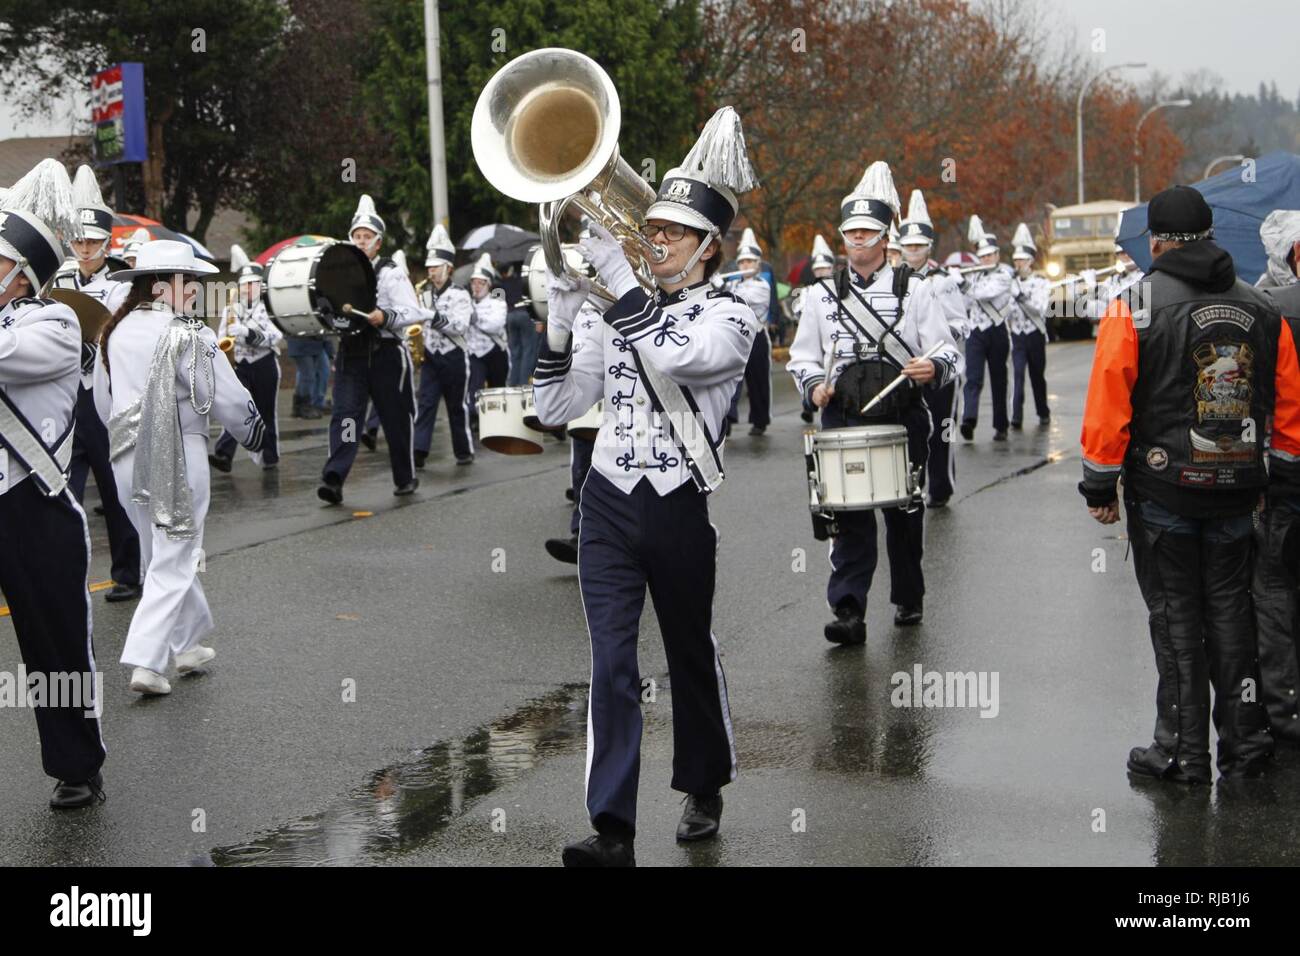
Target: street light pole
<point>437,143</point>
<point>1078,114</point>
<point>1137,147</point>
<point>1231,157</point>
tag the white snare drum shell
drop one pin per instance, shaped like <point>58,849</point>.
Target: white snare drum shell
<point>861,468</point>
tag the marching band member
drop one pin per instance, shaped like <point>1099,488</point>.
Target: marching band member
<point>822,265</point>
<point>894,249</point>
<point>374,363</point>
<point>132,247</point>
<point>1178,401</point>
<point>444,375</point>
<point>755,291</point>
<point>44,541</point>
<point>158,377</point>
<point>988,303</point>
<point>855,337</point>
<point>487,325</point>
<point>256,349</point>
<point>1028,325</point>
<point>668,366</point>
<point>1277,537</point>
<point>89,274</point>
<point>917,239</point>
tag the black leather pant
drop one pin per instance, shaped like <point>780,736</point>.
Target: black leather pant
<point>1194,574</point>
<point>1277,575</point>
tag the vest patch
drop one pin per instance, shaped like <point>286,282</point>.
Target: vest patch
<point>1157,459</point>
<point>1210,314</point>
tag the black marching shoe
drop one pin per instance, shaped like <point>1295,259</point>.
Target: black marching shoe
<point>563,549</point>
<point>907,615</point>
<point>370,440</point>
<point>70,796</point>
<point>220,462</point>
<point>807,416</point>
<point>938,503</point>
<point>1044,420</point>
<point>1000,436</point>
<point>568,493</point>
<point>600,849</point>
<point>1018,426</point>
<point>123,592</point>
<point>968,430</point>
<point>420,458</point>
<point>402,491</point>
<point>758,430</point>
<point>701,817</point>
<point>464,459</point>
<point>848,626</point>
<point>330,492</point>
<point>1145,762</point>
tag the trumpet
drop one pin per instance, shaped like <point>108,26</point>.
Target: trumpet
<point>1072,279</point>
<point>545,131</point>
<point>967,270</point>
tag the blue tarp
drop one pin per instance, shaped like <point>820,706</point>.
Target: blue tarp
<point>1239,208</point>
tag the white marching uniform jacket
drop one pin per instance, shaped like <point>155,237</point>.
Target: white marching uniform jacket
<point>1029,305</point>
<point>828,336</point>
<point>447,317</point>
<point>395,297</point>
<point>989,300</point>
<point>1110,290</point>
<point>40,361</point>
<point>131,350</point>
<point>757,294</point>
<point>698,337</point>
<point>258,337</point>
<point>98,286</point>
<point>488,325</point>
<point>948,294</point>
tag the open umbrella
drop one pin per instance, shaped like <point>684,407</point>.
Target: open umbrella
<point>503,242</point>
<point>1240,204</point>
<point>125,225</point>
<point>270,252</point>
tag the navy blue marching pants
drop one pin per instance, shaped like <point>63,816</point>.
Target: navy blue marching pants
<point>580,450</point>
<point>443,376</point>
<point>628,542</point>
<point>991,345</point>
<point>758,381</point>
<point>383,375</point>
<point>854,551</point>
<point>44,558</point>
<point>90,453</point>
<point>1029,349</point>
<point>262,379</point>
<point>942,466</point>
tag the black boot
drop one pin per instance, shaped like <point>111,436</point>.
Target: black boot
<point>701,817</point>
<point>71,795</point>
<point>330,491</point>
<point>220,462</point>
<point>848,626</point>
<point>563,549</point>
<point>1153,762</point>
<point>908,615</point>
<point>600,849</point>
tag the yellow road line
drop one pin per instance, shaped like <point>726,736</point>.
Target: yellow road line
<point>97,586</point>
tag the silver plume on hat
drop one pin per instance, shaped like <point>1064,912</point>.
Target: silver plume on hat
<point>878,183</point>
<point>719,155</point>
<point>46,192</point>
<point>916,208</point>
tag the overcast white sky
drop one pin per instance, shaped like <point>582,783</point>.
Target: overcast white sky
<point>1244,41</point>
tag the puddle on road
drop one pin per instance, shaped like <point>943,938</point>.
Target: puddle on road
<point>404,805</point>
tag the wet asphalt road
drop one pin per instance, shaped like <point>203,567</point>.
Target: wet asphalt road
<point>464,744</point>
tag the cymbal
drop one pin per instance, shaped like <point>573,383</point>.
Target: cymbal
<point>91,314</point>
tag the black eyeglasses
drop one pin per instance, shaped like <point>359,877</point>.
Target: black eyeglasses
<point>672,231</point>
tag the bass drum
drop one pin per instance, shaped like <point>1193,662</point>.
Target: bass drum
<point>306,287</point>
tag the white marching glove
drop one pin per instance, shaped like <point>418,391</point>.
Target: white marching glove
<point>604,252</point>
<point>1122,266</point>
<point>564,297</point>
<point>717,281</point>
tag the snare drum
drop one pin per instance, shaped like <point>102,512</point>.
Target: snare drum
<point>501,413</point>
<point>588,425</point>
<point>306,287</point>
<point>857,469</point>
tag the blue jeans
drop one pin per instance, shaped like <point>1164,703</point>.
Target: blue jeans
<point>524,341</point>
<point>312,358</point>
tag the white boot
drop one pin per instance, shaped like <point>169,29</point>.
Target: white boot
<point>194,658</point>
<point>145,681</point>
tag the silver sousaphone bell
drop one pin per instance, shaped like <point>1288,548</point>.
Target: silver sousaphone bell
<point>545,131</point>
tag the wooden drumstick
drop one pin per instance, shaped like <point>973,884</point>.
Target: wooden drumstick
<point>880,396</point>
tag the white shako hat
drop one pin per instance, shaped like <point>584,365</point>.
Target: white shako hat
<point>165,257</point>
<point>893,239</point>
<point>701,192</point>
<point>916,229</point>
<point>399,260</point>
<point>135,241</point>
<point>1279,232</point>
<point>37,214</point>
<point>247,270</point>
<point>983,242</point>
<point>439,250</point>
<point>749,247</point>
<point>822,254</point>
<point>96,217</point>
<point>1022,244</point>
<point>483,269</point>
<point>874,202</point>
<point>365,216</point>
